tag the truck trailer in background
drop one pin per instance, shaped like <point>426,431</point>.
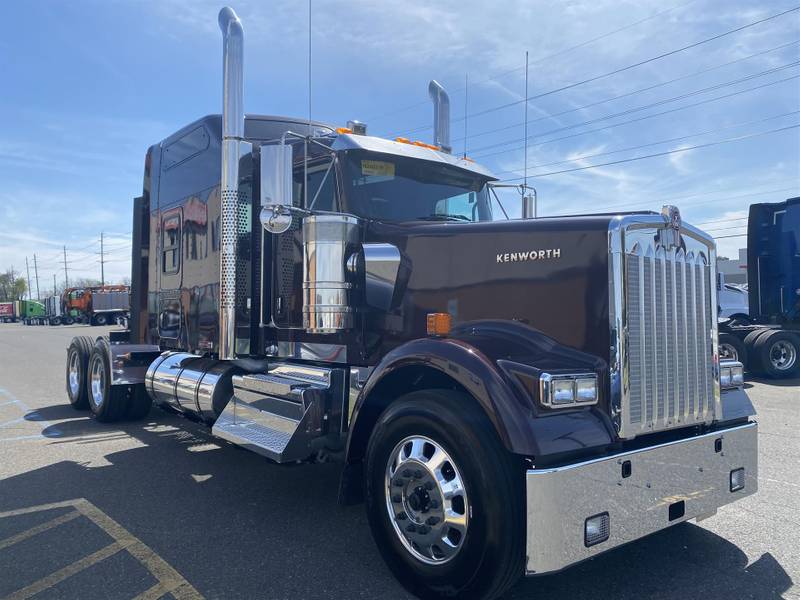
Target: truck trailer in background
<point>26,311</point>
<point>768,341</point>
<point>8,311</point>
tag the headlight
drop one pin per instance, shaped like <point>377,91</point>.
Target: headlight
<point>559,390</point>
<point>731,374</point>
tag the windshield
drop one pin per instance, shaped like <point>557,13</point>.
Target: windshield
<point>391,188</point>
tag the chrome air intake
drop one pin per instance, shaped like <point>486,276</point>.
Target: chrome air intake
<point>441,116</point>
<point>191,384</point>
<point>326,291</point>
<point>232,150</point>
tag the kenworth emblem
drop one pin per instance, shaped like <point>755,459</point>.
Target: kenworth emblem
<point>507,257</point>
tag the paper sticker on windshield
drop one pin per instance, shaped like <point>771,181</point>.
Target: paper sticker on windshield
<point>377,167</point>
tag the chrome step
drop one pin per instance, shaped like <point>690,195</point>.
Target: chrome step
<point>278,413</point>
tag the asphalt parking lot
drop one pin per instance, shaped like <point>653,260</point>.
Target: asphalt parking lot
<point>159,509</point>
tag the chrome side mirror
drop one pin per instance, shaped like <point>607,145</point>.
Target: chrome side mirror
<point>276,188</point>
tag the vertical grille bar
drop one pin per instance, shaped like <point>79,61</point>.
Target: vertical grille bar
<point>691,349</point>
<point>669,337</point>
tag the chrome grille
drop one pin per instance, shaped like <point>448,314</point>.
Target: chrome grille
<point>667,354</point>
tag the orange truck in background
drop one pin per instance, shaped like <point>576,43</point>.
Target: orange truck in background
<point>96,305</point>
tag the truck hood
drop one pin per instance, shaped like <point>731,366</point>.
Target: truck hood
<point>550,274</point>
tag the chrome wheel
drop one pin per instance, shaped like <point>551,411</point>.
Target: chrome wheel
<point>74,374</point>
<point>98,382</point>
<point>783,355</point>
<point>426,500</point>
<point>728,351</point>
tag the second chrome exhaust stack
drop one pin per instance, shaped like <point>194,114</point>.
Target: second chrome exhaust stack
<point>441,116</point>
<point>232,150</point>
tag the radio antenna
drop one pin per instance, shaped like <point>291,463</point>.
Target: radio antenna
<point>526,121</point>
<point>466,114</point>
<point>308,133</point>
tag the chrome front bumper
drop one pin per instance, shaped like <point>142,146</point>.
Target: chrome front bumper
<point>691,471</point>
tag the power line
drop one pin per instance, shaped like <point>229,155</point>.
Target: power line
<point>715,229</point>
<point>541,59</point>
<point>665,153</point>
<point>645,117</point>
<point>667,141</point>
<point>724,237</point>
<point>653,58</point>
<point>634,92</point>
<point>645,106</point>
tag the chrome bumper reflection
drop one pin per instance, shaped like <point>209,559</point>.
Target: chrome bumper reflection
<point>560,500</point>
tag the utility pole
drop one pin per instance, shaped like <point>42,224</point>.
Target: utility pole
<point>28,269</point>
<point>55,291</point>
<point>102,265</point>
<point>66,276</point>
<point>36,273</point>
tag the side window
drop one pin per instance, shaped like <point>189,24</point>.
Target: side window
<point>171,243</point>
<point>321,185</point>
<point>463,205</point>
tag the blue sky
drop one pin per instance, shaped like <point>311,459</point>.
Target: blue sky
<point>89,85</point>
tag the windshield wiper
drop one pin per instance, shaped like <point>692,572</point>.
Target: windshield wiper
<point>445,218</point>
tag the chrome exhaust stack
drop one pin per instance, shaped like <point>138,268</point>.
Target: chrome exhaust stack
<point>441,116</point>
<point>232,150</point>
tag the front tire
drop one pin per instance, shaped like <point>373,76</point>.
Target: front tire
<point>101,319</point>
<point>444,499</point>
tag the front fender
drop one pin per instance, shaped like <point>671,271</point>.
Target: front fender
<point>511,412</point>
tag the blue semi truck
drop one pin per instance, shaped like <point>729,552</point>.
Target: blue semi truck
<point>768,342</point>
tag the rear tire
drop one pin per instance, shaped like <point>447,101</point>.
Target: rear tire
<point>732,347</point>
<point>69,321</point>
<point>486,554</point>
<point>778,353</point>
<point>101,319</point>
<point>76,374</point>
<point>754,359</point>
<point>108,403</point>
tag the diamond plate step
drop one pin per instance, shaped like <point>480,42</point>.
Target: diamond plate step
<point>278,413</point>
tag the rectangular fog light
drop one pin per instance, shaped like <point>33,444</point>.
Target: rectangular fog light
<point>586,389</point>
<point>597,529</point>
<point>737,480</point>
<point>563,391</point>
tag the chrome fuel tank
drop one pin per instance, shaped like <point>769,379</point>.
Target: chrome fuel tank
<point>191,384</point>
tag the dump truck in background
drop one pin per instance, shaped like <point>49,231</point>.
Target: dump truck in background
<point>767,342</point>
<point>97,305</point>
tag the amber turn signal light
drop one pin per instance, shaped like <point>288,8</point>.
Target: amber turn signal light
<point>439,323</point>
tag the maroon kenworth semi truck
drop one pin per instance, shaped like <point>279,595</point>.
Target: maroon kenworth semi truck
<point>507,396</point>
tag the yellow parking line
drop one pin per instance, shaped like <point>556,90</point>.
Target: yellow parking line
<point>39,529</point>
<point>154,593</point>
<point>68,571</point>
<point>169,580</point>
<point>160,569</point>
